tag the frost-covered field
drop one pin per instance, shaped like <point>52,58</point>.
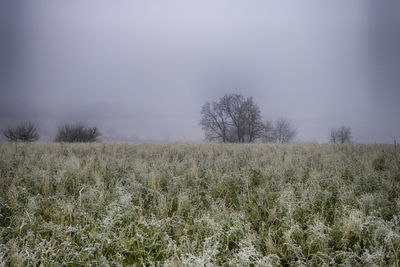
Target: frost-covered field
<point>206,204</point>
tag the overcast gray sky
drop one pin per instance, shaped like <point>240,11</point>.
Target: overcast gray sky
<point>141,70</point>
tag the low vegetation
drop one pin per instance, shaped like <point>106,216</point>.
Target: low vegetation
<point>205,204</point>
<point>24,132</point>
<point>77,133</point>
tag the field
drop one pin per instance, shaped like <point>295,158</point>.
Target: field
<point>199,204</point>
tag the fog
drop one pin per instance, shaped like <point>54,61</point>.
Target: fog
<point>141,70</point>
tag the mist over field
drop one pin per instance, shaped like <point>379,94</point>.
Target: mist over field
<point>199,133</point>
<point>141,70</point>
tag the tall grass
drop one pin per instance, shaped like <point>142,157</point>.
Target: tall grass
<point>206,204</point>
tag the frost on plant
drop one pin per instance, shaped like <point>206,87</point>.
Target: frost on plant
<point>199,205</point>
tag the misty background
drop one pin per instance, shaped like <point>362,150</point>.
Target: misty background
<point>141,70</point>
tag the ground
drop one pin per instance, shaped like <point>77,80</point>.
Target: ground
<point>199,204</point>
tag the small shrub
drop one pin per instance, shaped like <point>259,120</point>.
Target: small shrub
<point>25,132</point>
<point>77,133</point>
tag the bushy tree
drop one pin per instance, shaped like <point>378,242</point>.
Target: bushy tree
<point>24,132</point>
<point>77,133</point>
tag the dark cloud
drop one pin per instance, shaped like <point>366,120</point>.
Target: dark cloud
<point>141,70</point>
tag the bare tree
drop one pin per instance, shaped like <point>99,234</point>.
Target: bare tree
<point>233,107</point>
<point>77,133</point>
<point>253,126</point>
<point>24,132</point>
<point>333,138</point>
<point>232,119</point>
<point>269,135</point>
<point>215,123</point>
<point>284,132</point>
<point>341,135</point>
<point>344,135</point>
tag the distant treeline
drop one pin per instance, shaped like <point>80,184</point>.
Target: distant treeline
<point>236,119</point>
<point>231,119</point>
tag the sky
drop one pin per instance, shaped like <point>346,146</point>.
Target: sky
<point>141,70</point>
